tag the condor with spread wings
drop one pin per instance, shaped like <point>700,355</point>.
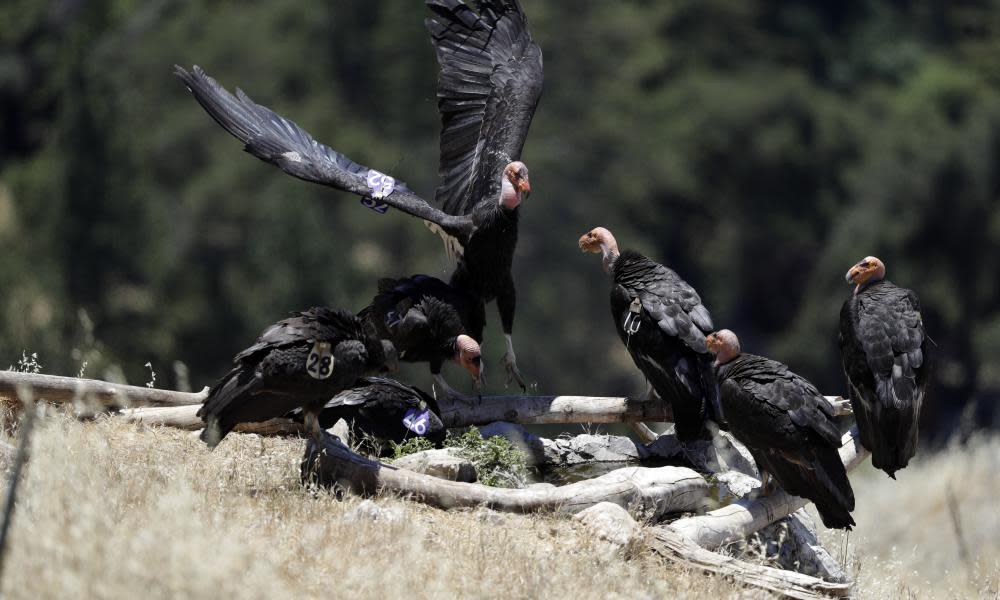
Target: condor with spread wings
<point>488,88</point>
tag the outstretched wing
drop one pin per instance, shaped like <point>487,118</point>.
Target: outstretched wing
<point>277,140</point>
<point>488,88</point>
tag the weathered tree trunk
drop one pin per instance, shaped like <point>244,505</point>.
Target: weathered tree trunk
<point>740,519</point>
<point>52,388</point>
<point>679,548</point>
<point>186,417</point>
<point>654,492</point>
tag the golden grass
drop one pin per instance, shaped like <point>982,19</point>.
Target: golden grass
<point>905,544</point>
<point>114,510</point>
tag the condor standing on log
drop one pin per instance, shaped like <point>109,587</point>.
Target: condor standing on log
<point>885,357</point>
<point>300,362</point>
<point>488,88</point>
<point>662,322</point>
<point>428,320</point>
<point>787,425</point>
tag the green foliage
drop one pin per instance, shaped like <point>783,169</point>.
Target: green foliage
<point>498,462</point>
<point>410,446</point>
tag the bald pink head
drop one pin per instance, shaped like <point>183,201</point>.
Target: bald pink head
<point>515,185</point>
<point>469,355</point>
<point>600,240</point>
<point>867,270</point>
<point>724,345</point>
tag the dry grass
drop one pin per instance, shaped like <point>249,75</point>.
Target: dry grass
<point>112,510</point>
<point>905,544</point>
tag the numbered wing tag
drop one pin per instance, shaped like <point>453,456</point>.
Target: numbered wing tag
<point>319,365</point>
<point>417,420</point>
<point>380,185</point>
<point>634,318</point>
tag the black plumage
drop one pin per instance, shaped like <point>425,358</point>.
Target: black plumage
<point>488,89</point>
<point>885,355</point>
<point>662,322</point>
<point>424,317</point>
<point>386,410</point>
<point>790,429</point>
<point>300,362</point>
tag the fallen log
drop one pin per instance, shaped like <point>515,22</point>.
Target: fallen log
<point>186,417</point>
<point>650,491</point>
<point>681,549</point>
<point>53,388</point>
<point>736,521</point>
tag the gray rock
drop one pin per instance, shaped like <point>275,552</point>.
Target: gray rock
<point>588,448</point>
<point>792,544</point>
<point>370,511</point>
<point>612,525</point>
<point>444,464</point>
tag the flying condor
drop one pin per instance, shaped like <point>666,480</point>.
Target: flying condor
<point>488,88</point>
<point>300,362</point>
<point>428,320</point>
<point>662,322</point>
<point>386,410</point>
<point>787,425</point>
<point>884,352</point>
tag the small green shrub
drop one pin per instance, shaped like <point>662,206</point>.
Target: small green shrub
<point>410,446</point>
<point>498,462</point>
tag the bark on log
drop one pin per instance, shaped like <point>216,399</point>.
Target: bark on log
<point>652,492</point>
<point>741,519</point>
<point>52,388</point>
<point>186,417</point>
<point>679,548</point>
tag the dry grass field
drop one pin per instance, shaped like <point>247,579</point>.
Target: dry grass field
<point>113,510</point>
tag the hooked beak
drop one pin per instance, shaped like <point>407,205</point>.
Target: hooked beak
<point>851,273</point>
<point>524,186</point>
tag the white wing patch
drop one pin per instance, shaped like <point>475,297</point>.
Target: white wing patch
<point>293,156</point>
<point>452,246</point>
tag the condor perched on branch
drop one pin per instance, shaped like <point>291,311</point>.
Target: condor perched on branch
<point>884,352</point>
<point>787,425</point>
<point>386,410</point>
<point>488,88</point>
<point>300,362</point>
<point>428,320</point>
<point>662,322</point>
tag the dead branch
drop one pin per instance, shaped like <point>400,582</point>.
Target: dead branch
<point>681,549</point>
<point>653,492</point>
<point>52,388</point>
<point>740,519</point>
<point>186,417</point>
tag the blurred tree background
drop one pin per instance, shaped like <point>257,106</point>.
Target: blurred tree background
<point>758,148</point>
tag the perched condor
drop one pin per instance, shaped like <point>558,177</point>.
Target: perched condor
<point>883,349</point>
<point>300,362</point>
<point>488,88</point>
<point>428,320</point>
<point>662,322</point>
<point>386,410</point>
<point>787,425</point>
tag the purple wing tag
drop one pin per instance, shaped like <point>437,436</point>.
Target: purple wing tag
<point>380,185</point>
<point>417,420</point>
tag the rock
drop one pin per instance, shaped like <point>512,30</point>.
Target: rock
<point>612,525</point>
<point>791,542</point>
<point>736,484</point>
<point>444,464</point>
<point>588,448</point>
<point>369,511</point>
<point>341,430</point>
